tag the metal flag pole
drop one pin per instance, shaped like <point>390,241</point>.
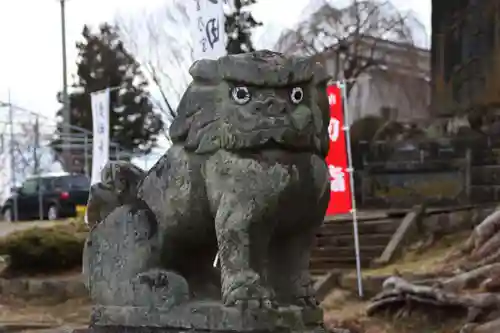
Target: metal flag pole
<point>350,170</point>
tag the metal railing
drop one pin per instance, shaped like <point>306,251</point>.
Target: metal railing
<point>28,145</point>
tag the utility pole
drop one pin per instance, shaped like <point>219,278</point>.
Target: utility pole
<point>12,158</point>
<point>36,159</point>
<point>66,110</point>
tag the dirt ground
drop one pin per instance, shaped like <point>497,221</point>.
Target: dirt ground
<point>73,313</point>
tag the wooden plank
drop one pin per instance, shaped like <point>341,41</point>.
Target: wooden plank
<point>409,223</point>
<point>371,252</point>
<point>369,227</point>
<point>347,240</point>
<point>326,283</point>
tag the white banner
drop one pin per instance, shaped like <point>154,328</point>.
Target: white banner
<point>5,176</point>
<point>100,141</point>
<point>207,28</point>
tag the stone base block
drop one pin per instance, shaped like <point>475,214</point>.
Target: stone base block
<point>205,317</point>
<point>122,329</point>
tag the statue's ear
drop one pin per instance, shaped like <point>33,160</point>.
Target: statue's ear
<point>205,70</point>
<point>321,77</point>
<point>321,80</point>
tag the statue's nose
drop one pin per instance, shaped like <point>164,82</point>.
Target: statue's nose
<point>274,106</point>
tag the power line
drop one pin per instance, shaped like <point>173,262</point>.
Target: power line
<point>67,125</point>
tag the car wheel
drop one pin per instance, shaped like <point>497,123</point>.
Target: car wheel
<point>7,215</point>
<point>52,213</point>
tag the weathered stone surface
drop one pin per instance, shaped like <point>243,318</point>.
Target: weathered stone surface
<point>245,178</point>
<point>122,329</point>
<point>119,262</point>
<point>209,316</point>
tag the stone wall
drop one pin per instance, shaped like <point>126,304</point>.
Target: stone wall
<point>446,173</point>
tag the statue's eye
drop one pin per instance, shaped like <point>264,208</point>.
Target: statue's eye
<point>297,95</point>
<point>241,95</point>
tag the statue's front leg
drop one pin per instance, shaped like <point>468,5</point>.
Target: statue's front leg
<point>291,245</point>
<point>243,236</point>
<point>289,266</point>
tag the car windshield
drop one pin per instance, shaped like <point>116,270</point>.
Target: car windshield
<point>75,182</point>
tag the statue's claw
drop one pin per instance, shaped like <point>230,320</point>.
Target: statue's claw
<point>250,297</point>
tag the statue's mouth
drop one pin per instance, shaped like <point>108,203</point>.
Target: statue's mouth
<point>273,144</point>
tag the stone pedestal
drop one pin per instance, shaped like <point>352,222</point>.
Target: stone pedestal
<point>122,329</point>
<point>205,317</point>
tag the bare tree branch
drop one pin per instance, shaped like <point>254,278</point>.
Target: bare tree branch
<point>159,39</point>
<point>371,45</point>
<point>359,36</point>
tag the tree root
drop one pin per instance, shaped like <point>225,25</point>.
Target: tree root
<point>398,293</point>
<point>485,238</point>
<point>472,279</point>
<point>490,327</point>
<point>478,269</point>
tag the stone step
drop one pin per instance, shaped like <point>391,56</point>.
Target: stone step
<point>345,251</point>
<point>329,263</point>
<point>317,273</point>
<point>348,240</point>
<point>367,227</point>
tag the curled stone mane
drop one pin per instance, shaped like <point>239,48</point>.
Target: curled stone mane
<point>260,68</point>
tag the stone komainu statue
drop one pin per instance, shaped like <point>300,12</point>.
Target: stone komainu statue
<point>245,177</point>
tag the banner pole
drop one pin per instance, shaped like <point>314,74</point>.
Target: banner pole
<point>350,170</point>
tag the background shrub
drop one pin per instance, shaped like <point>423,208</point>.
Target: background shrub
<point>44,249</point>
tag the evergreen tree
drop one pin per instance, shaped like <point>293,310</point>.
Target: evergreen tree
<point>238,26</point>
<point>103,62</point>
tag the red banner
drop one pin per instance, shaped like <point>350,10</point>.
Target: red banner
<point>340,185</point>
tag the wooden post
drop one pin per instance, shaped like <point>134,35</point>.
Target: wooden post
<point>468,170</point>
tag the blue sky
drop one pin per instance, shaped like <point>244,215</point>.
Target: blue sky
<point>30,60</point>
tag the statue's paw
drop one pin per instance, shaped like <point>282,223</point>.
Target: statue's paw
<point>155,278</point>
<point>161,279</point>
<point>250,297</point>
<point>303,294</point>
<point>306,302</point>
<point>160,288</point>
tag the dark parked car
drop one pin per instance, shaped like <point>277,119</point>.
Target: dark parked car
<point>61,195</point>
